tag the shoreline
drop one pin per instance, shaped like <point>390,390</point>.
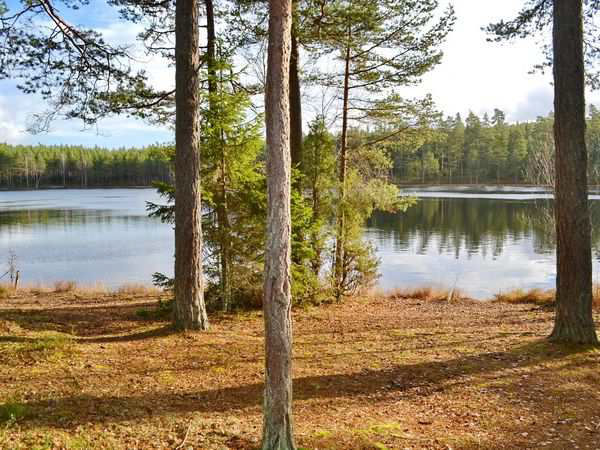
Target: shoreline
<point>428,293</point>
<point>71,188</point>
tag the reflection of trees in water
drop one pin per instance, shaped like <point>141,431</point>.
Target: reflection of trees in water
<point>483,226</point>
<point>66,217</point>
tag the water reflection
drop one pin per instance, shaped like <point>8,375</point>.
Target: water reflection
<point>481,245</point>
<point>84,235</point>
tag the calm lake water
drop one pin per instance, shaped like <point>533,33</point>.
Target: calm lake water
<point>481,242</point>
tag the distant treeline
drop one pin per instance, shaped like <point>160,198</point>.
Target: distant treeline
<point>490,150</point>
<point>475,150</point>
<point>32,167</point>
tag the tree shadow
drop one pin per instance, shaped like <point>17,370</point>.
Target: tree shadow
<point>81,321</point>
<point>98,323</point>
<point>419,379</point>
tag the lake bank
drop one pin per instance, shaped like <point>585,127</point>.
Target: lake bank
<point>368,373</point>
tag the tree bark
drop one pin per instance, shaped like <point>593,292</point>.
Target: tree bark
<point>573,321</point>
<point>211,47</point>
<point>189,311</point>
<point>278,423</point>
<point>221,198</point>
<point>295,99</point>
<point>340,241</point>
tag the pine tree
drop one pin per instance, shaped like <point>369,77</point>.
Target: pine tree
<point>573,321</point>
<point>190,310</point>
<point>278,423</point>
<point>499,150</point>
<point>380,45</point>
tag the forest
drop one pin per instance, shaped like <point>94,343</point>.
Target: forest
<point>271,332</point>
<point>478,150</point>
<point>34,167</point>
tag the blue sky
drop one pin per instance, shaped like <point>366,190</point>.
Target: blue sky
<point>475,75</point>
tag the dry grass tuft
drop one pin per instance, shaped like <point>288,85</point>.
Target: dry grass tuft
<point>427,293</point>
<point>534,296</point>
<point>540,297</point>
<point>65,286</point>
<point>5,290</point>
<point>137,289</point>
<point>74,288</point>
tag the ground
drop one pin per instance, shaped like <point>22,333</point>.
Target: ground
<point>95,371</point>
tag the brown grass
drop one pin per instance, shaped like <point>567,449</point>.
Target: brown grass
<point>533,296</point>
<point>426,293</point>
<point>137,289</point>
<point>75,288</point>
<point>65,286</point>
<point>5,290</point>
<point>540,297</point>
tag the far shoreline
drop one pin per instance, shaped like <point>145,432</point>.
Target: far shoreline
<point>70,188</point>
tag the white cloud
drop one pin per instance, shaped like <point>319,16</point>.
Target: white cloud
<point>478,75</point>
<point>538,102</point>
<point>11,121</point>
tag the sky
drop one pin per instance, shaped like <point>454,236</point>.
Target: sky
<point>475,75</point>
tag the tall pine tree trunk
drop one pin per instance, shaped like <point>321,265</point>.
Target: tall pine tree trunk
<point>189,312</point>
<point>277,301</point>
<point>224,232</point>
<point>340,240</point>
<point>295,114</point>
<point>295,99</point>
<point>221,197</point>
<point>573,322</point>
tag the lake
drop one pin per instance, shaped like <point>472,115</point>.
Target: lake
<point>481,241</point>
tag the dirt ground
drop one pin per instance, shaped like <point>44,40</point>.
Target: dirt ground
<point>92,371</point>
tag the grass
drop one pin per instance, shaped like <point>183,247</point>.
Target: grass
<point>384,372</point>
<point>73,287</point>
<point>46,345</point>
<point>161,312</point>
<point>540,297</point>
<point>5,290</point>
<point>12,412</point>
<point>427,293</point>
<point>137,289</point>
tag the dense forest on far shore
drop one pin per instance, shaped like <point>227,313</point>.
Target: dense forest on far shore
<point>491,150</point>
<point>454,151</point>
<point>32,167</point>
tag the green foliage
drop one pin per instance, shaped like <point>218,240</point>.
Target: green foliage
<point>12,412</point>
<point>489,151</point>
<point>71,166</point>
<point>162,311</point>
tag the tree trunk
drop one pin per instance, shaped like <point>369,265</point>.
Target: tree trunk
<point>340,240</point>
<point>277,301</point>
<point>211,46</point>
<point>573,321</point>
<point>221,198</point>
<point>224,232</point>
<point>295,99</point>
<point>189,311</point>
